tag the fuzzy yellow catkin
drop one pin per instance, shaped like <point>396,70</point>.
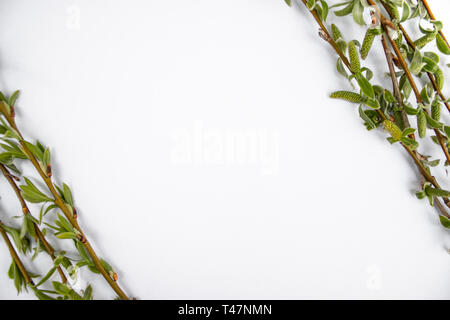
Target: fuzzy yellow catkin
<point>392,128</point>
<point>436,111</point>
<point>348,96</point>
<point>335,32</point>
<point>439,76</point>
<point>423,41</point>
<point>367,43</point>
<point>422,124</point>
<point>355,64</point>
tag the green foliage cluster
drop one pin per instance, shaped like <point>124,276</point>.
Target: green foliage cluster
<point>416,71</point>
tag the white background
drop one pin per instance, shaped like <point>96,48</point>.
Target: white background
<point>324,210</point>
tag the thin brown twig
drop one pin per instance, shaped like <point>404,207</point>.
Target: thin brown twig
<point>395,83</point>
<point>48,248</point>
<point>15,256</point>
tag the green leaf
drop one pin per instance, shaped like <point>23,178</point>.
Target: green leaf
<point>406,12</point>
<point>11,270</point>
<point>87,295</point>
<point>67,194</point>
<point>106,265</point>
<point>442,46</point>
<point>372,103</point>
<point>46,158</point>
<point>46,277</point>
<point>433,56</point>
<point>447,130</point>
<point>288,2</point>
<point>445,222</point>
<point>65,223</point>
<point>357,12</point>
<point>40,294</point>
<point>61,288</point>
<point>411,143</point>
<point>66,235</point>
<point>365,86</point>
<point>433,123</point>
<point>325,10</point>
<point>340,68</point>
<point>435,192</point>
<point>32,194</point>
<point>18,280</point>
<point>15,234</point>
<point>82,251</point>
<point>35,150</point>
<point>311,4</point>
<point>345,11</point>
<point>27,227</point>
<point>13,98</point>
<point>416,63</point>
<point>368,121</point>
<point>408,131</point>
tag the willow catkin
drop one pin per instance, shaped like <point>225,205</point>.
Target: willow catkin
<point>355,64</point>
<point>348,96</point>
<point>439,76</point>
<point>436,111</point>
<point>393,129</point>
<point>335,32</point>
<point>399,39</point>
<point>423,41</point>
<point>367,43</point>
<point>422,124</point>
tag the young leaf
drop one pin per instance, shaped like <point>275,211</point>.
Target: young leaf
<point>365,86</point>
<point>67,195</point>
<point>13,98</point>
<point>445,222</point>
<point>346,10</point>
<point>442,45</point>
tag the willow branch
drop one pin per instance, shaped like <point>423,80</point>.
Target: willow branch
<point>395,83</point>
<point>15,256</point>
<point>386,24</point>
<point>48,248</point>
<point>66,211</point>
<point>416,160</point>
<point>411,44</point>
